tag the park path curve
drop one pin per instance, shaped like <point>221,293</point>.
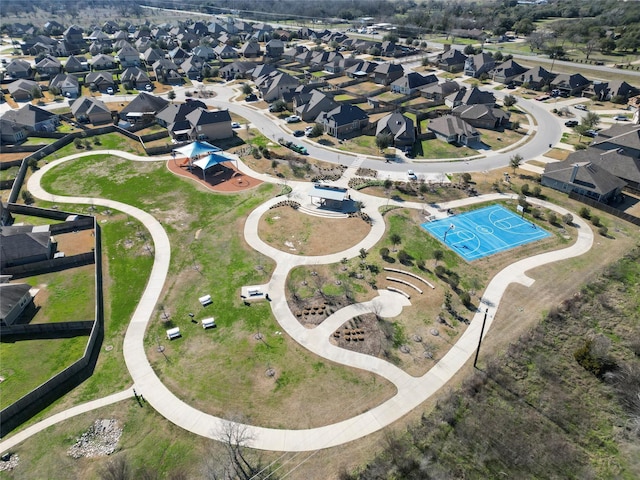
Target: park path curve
<point>411,391</point>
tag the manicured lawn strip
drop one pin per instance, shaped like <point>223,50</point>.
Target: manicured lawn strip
<point>439,149</point>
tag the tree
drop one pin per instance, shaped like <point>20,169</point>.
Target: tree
<point>395,240</point>
<point>525,189</point>
<point>27,197</point>
<point>465,298</point>
<point>589,47</point>
<point>117,468</point>
<point>465,177</point>
<point>171,95</point>
<point>590,120</point>
<point>469,50</point>
<point>584,212</point>
<point>509,100</point>
<point>552,218</point>
<point>363,253</point>
<point>536,191</point>
<point>317,130</point>
<point>498,56</point>
<point>36,92</point>
<point>515,125</point>
<point>383,141</point>
<point>384,252</point>
<point>279,106</point>
<point>246,89</point>
<point>404,258</point>
<point>515,161</point>
<point>607,45</point>
<point>567,219</point>
<point>438,255</point>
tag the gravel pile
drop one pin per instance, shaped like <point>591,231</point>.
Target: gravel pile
<point>10,463</point>
<point>100,440</point>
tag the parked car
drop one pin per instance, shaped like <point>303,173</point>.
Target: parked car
<point>542,98</point>
<point>293,119</point>
<point>621,118</point>
<point>581,107</point>
<point>411,175</point>
<point>235,125</point>
<point>591,133</point>
<point>148,87</point>
<point>252,97</point>
<point>299,149</point>
<point>571,123</point>
<point>298,133</point>
<point>110,90</point>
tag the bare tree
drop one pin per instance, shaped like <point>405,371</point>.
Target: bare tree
<point>117,468</point>
<point>238,463</point>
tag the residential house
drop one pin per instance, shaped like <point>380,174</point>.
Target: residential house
<point>178,55</point>
<point>174,118</point>
<point>143,108</point>
<point>14,299</point>
<point>91,110</point>
<point>100,46</point>
<point>53,28</point>
<point>584,178</point>
<point>390,49</point>
<point>274,48</point>
<point>224,51</point>
<point>482,116</point>
<point>210,125</point>
<point>479,64</point>
<point>472,96</point>
<point>320,59</point>
<point>260,36</point>
<point>401,128</point>
<point>134,77</point>
<point>604,91</point>
<point>10,133</point>
<point>274,85</point>
<point>67,84</point>
<point>19,68</point>
<point>205,52</point>
<point>167,72</point>
<point>451,60</point>
<point>250,49</point>
<point>507,72</point>
<point>39,45</point>
<point>437,92</point>
<point>387,73</point>
<point>262,70</point>
<point>48,66</point>
<point>339,64</point>
<point>142,44</point>
<point>410,82</point>
<point>76,63</point>
<point>24,90</point>
<point>343,120</point>
<point>216,28</point>
<point>534,78</point>
<point>75,39</point>
<point>22,248</point>
<point>103,62</point>
<point>97,34</point>
<point>291,53</point>
<point>570,84</point>
<point>192,67</point>
<point>152,55</point>
<point>621,136</point>
<point>617,162</point>
<point>128,56</point>
<point>99,81</point>
<point>362,69</point>
<point>453,130</point>
<point>236,70</point>
<point>304,57</point>
<point>309,105</point>
<point>33,118</point>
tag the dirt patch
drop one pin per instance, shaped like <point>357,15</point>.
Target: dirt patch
<point>220,178</point>
<point>295,232</point>
<point>74,243</point>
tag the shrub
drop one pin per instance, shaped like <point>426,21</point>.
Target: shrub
<point>525,189</point>
<point>465,298</point>
<point>384,252</point>
<point>584,212</point>
<point>440,271</point>
<point>27,197</point>
<point>580,146</point>
<point>552,217</point>
<point>536,191</point>
<point>403,257</point>
<point>595,220</point>
<point>274,164</point>
<point>77,142</point>
<point>536,213</point>
<point>567,219</point>
<point>604,231</point>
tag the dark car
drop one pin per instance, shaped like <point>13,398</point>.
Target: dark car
<point>571,123</point>
<point>298,133</point>
<point>252,97</point>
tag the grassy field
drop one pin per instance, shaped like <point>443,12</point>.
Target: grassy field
<point>439,149</point>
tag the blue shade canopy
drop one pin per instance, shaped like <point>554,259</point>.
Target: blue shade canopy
<point>212,159</point>
<point>197,149</point>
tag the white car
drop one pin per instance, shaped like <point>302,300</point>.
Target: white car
<point>110,90</point>
<point>411,175</point>
<point>293,119</point>
<point>622,118</point>
<point>581,107</point>
<point>235,125</point>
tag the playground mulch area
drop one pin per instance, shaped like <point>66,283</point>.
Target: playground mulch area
<point>220,178</point>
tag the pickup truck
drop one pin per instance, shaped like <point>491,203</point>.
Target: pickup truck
<point>296,148</point>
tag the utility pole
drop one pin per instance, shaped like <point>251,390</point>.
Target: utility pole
<point>484,321</point>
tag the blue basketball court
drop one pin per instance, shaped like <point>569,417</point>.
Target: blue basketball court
<point>483,232</point>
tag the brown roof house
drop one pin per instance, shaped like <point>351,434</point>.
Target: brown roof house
<point>90,109</point>
<point>343,120</point>
<point>387,73</point>
<point>24,90</point>
<point>482,116</point>
<point>534,78</point>
<point>437,92</point>
<point>584,178</point>
<point>401,128</point>
<point>454,130</point>
<point>99,81</point>
<point>452,60</point>
<point>476,65</point>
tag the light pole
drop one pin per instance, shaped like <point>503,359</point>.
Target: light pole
<point>484,321</point>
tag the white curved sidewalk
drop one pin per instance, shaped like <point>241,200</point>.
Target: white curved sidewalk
<point>411,391</point>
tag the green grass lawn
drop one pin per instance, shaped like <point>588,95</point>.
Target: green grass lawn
<point>439,149</point>
<point>39,141</point>
<point>343,97</point>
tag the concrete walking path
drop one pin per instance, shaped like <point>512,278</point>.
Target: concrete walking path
<point>411,391</point>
